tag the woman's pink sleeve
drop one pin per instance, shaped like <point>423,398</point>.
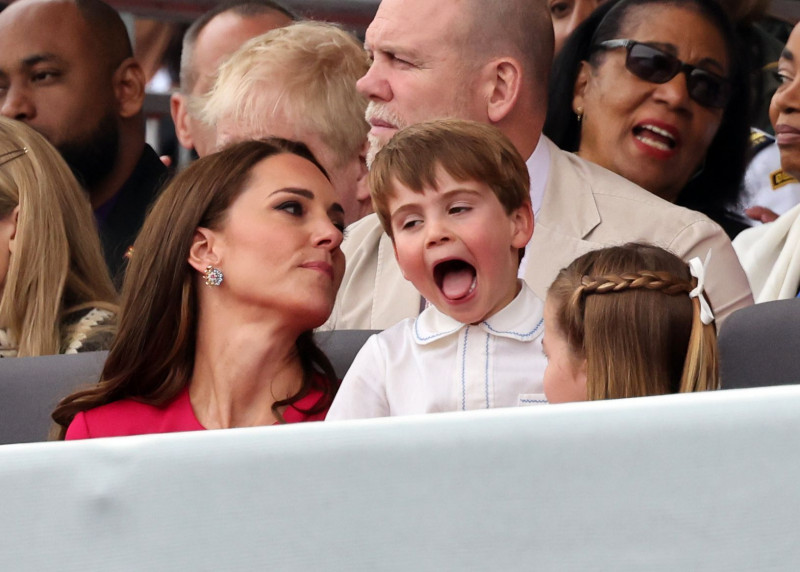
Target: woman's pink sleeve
<point>78,429</point>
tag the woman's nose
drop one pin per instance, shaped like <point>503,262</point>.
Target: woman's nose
<point>675,92</point>
<point>328,235</point>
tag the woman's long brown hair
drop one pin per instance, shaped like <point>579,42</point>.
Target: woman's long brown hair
<point>627,311</point>
<point>152,357</point>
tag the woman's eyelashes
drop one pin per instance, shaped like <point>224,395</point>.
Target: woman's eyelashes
<point>292,207</point>
<point>783,77</point>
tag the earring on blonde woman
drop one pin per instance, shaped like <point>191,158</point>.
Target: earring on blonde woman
<point>579,114</point>
<point>213,276</point>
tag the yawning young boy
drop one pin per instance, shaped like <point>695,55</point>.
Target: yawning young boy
<point>454,197</point>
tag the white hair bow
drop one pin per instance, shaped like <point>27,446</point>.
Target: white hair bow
<point>698,270</point>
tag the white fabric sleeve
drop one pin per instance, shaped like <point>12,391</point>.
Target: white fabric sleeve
<point>363,390</point>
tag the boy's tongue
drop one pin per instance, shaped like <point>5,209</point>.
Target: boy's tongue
<point>457,282</point>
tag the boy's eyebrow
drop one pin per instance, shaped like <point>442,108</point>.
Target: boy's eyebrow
<point>446,193</point>
<point>402,209</point>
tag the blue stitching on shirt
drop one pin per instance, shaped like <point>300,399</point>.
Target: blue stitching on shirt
<point>463,372</point>
<point>486,373</point>
<point>533,331</point>
<point>533,401</point>
<point>434,335</point>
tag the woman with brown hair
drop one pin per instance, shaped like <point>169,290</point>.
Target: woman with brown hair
<point>235,265</point>
<point>628,321</point>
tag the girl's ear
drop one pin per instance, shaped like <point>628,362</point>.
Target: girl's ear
<point>13,218</point>
<point>205,250</point>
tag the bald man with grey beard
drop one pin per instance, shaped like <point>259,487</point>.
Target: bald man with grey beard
<point>489,61</point>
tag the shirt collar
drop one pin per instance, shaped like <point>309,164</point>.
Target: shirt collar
<point>522,319</point>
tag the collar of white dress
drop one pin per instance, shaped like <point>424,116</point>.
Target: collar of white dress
<point>522,319</point>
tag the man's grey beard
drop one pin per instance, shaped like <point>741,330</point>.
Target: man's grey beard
<point>379,111</point>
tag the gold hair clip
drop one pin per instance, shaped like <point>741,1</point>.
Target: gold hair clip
<point>4,157</point>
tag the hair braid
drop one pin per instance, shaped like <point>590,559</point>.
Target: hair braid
<point>647,279</point>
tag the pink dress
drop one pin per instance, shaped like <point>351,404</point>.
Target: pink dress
<point>129,417</point>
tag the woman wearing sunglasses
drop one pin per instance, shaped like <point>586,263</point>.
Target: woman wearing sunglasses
<point>655,91</point>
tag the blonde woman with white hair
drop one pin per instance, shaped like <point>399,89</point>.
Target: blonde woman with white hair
<point>299,82</point>
<point>56,296</point>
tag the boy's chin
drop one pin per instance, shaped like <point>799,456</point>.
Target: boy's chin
<point>474,308</point>
<point>464,311</point>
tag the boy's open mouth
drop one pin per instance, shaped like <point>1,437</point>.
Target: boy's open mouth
<point>455,278</point>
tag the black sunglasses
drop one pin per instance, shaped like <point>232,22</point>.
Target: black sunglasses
<point>652,64</point>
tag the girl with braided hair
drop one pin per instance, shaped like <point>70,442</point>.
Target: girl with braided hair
<point>628,321</point>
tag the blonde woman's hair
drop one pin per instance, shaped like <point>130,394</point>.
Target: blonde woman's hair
<point>57,267</point>
<point>305,73</point>
<point>627,311</point>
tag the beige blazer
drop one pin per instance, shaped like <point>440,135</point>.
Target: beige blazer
<point>585,207</point>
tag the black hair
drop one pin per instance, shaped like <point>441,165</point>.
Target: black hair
<point>716,188</point>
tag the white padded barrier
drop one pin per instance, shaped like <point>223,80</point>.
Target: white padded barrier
<point>687,482</point>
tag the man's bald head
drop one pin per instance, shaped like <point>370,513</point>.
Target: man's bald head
<point>244,10</point>
<point>484,60</point>
<point>66,69</point>
<point>107,29</point>
<point>208,42</point>
<point>519,28</point>
<point>101,26</point>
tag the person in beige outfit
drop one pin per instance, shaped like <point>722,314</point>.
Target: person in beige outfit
<point>492,65</point>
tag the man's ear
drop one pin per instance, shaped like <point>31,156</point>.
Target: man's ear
<point>362,180</point>
<point>579,90</point>
<point>129,82</point>
<point>13,218</point>
<point>178,108</point>
<point>521,225</point>
<point>503,78</point>
<point>205,250</point>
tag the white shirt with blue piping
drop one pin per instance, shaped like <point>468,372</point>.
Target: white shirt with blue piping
<point>434,363</point>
